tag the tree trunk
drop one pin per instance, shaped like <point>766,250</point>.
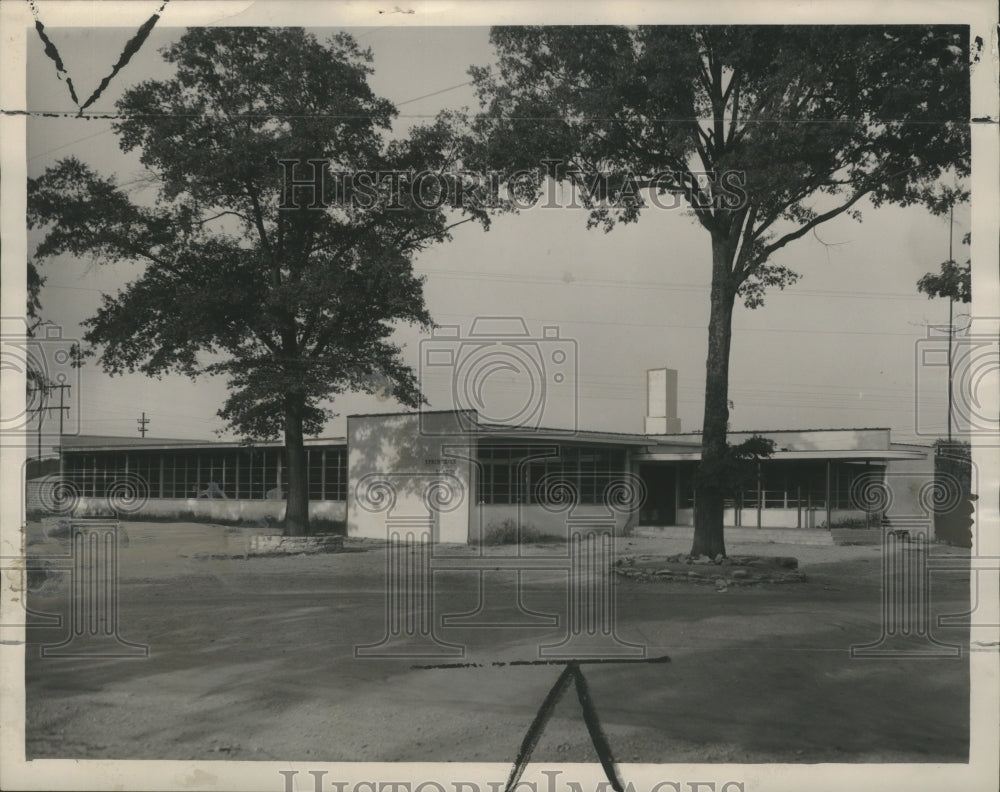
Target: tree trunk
<point>709,492</point>
<point>297,505</point>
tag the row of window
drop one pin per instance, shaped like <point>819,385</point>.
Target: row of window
<point>242,473</point>
<point>511,474</point>
<point>507,475</point>
<point>785,485</point>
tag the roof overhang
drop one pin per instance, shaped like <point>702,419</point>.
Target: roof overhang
<point>508,435</point>
<point>195,445</point>
<point>845,455</point>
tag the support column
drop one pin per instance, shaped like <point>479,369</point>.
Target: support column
<point>677,490</point>
<point>322,475</point>
<point>760,495</point>
<point>829,504</point>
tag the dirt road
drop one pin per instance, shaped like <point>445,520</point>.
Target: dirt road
<point>254,658</point>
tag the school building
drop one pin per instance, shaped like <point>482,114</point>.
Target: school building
<point>460,477</point>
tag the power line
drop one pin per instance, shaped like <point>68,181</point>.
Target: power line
<point>701,327</point>
<point>105,131</point>
<point>657,285</point>
<point>71,143</point>
<point>434,93</point>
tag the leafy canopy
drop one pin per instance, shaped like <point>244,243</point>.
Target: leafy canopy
<point>953,280</point>
<point>812,119</point>
<point>286,303</point>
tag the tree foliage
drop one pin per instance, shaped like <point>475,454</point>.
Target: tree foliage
<point>765,132</point>
<point>953,280</point>
<point>292,306</point>
<point>739,467</point>
<point>813,118</point>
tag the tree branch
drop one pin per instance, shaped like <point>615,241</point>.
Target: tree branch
<point>819,219</point>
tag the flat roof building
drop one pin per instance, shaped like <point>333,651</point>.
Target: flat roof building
<point>468,476</point>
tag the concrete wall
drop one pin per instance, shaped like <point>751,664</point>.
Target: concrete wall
<point>205,508</point>
<point>411,473</point>
<point>776,518</point>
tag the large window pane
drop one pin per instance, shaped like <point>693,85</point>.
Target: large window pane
<point>336,474</point>
<point>505,478</point>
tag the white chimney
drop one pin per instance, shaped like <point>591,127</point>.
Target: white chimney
<point>661,402</point>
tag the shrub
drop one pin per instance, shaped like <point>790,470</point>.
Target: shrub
<point>324,525</point>
<point>856,522</point>
<point>506,532</point>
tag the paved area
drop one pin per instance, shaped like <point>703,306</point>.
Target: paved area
<point>254,659</point>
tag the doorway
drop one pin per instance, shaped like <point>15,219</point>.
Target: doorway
<point>660,506</point>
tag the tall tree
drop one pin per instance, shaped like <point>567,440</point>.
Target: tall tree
<point>293,296</point>
<point>765,131</point>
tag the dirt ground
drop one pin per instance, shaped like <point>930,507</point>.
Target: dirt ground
<point>254,659</point>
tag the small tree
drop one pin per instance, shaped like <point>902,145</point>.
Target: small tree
<point>764,131</point>
<point>736,471</point>
<point>34,379</point>
<point>294,303</point>
<point>739,468</point>
<point>953,280</point>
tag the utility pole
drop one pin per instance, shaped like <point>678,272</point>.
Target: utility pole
<point>43,408</point>
<point>62,413</point>
<point>951,320</point>
<point>142,423</point>
<point>41,420</point>
<point>62,390</point>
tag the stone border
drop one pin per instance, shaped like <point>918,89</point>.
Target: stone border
<point>722,572</point>
<point>276,544</point>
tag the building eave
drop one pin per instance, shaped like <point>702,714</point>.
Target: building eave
<point>194,445</point>
<point>844,455</point>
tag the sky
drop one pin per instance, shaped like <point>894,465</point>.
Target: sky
<point>840,348</point>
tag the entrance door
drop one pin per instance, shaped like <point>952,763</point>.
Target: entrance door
<point>660,506</point>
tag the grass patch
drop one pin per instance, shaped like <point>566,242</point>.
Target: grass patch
<point>854,523</point>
